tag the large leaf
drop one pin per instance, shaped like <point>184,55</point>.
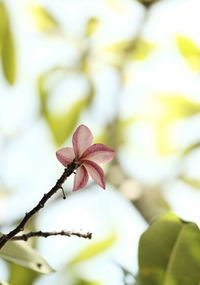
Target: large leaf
<point>19,252</point>
<point>44,21</point>
<point>190,52</point>
<point>7,47</point>
<point>169,253</point>
<point>94,249</point>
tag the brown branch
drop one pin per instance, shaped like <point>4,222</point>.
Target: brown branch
<point>67,172</point>
<point>25,237</point>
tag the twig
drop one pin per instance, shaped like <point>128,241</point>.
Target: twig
<point>67,172</point>
<point>25,237</point>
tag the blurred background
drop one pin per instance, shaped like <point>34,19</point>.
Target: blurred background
<point>130,71</point>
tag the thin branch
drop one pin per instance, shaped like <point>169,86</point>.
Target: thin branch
<point>25,237</point>
<point>67,172</point>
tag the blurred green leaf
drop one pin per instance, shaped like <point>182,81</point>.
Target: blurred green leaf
<point>19,252</point>
<point>169,252</point>
<point>91,26</point>
<point>3,23</point>
<point>62,125</point>
<point>85,282</point>
<point>21,276</point>
<point>94,249</point>
<point>171,107</point>
<point>7,47</point>
<point>137,49</point>
<point>148,3</point>
<point>190,52</point>
<point>177,107</point>
<point>44,21</point>
<point>190,181</point>
<point>116,129</point>
<point>8,57</point>
<point>189,149</point>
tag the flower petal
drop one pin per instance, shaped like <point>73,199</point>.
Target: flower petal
<point>96,172</point>
<point>81,178</point>
<point>65,155</point>
<point>99,153</point>
<point>81,140</point>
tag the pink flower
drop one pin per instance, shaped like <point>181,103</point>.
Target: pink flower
<point>88,155</point>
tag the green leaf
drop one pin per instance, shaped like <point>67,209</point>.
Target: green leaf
<point>190,52</point>
<point>137,49</point>
<point>177,107</point>
<point>62,125</point>
<point>94,249</point>
<point>85,282</point>
<point>191,148</point>
<point>19,252</point>
<point>91,26</point>
<point>190,181</point>
<point>7,47</point>
<point>3,23</point>
<point>21,276</point>
<point>8,57</point>
<point>147,3</point>
<point>44,21</point>
<point>169,253</point>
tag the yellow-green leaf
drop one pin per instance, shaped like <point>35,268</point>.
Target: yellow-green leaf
<point>3,23</point>
<point>190,51</point>
<point>19,252</point>
<point>137,49</point>
<point>195,183</point>
<point>7,47</point>
<point>62,125</point>
<point>85,282</point>
<point>177,107</point>
<point>8,57</point>
<point>169,253</point>
<point>147,3</point>
<point>191,148</point>
<point>20,275</point>
<point>44,20</point>
<point>91,26</point>
<point>94,249</point>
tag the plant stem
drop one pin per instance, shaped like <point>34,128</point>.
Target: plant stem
<point>25,237</point>
<point>67,172</point>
